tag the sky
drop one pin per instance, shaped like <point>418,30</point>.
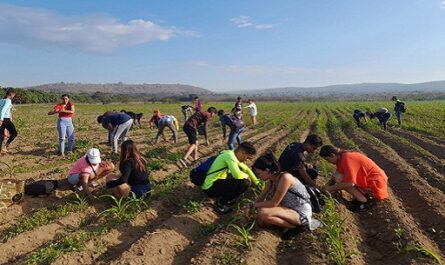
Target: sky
<point>222,45</point>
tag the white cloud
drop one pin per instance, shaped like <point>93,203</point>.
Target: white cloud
<point>442,5</point>
<point>35,27</point>
<point>246,21</point>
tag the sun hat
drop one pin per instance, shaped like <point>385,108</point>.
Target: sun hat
<point>94,156</point>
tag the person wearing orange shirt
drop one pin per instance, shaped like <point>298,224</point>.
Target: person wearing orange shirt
<point>357,174</point>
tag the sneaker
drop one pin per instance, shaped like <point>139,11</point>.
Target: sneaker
<point>222,208</point>
<point>357,206</point>
<point>183,163</point>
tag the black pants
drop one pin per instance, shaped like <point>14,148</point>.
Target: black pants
<point>227,189</point>
<point>7,124</point>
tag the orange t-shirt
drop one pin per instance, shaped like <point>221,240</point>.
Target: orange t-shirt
<point>364,173</point>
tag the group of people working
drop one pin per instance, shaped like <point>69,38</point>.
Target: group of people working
<point>382,114</point>
<point>284,202</point>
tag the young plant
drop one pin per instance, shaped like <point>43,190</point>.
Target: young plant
<point>245,239</point>
<point>123,208</point>
<point>193,206</point>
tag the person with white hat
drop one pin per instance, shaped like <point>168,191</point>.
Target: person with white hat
<point>88,168</point>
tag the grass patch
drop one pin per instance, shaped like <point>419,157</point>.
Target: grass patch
<point>193,206</point>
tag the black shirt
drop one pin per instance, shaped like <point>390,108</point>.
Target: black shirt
<point>292,158</point>
<point>130,175</point>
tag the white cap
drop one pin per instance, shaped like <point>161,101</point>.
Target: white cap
<point>94,156</point>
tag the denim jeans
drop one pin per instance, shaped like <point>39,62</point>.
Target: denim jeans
<point>234,135</point>
<point>399,117</point>
<point>120,132</point>
<point>65,128</point>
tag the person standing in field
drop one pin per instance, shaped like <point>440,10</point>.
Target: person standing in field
<point>356,174</point>
<point>358,116</point>
<point>252,112</point>
<point>238,105</point>
<point>236,126</point>
<point>229,177</point>
<point>382,114</point>
<point>6,120</point>
<point>65,127</point>
<point>198,104</point>
<point>134,173</point>
<point>399,108</point>
<point>118,124</point>
<point>190,128</point>
<point>293,159</point>
<point>162,121</point>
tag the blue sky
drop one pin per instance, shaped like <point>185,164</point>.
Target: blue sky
<point>222,45</point>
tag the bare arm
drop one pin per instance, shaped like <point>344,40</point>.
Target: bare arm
<point>264,193</point>
<point>307,179</point>
<point>68,111</point>
<point>283,186</point>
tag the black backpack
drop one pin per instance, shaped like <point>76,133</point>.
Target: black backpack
<point>199,174</point>
<point>315,200</point>
<point>402,107</point>
<point>40,187</point>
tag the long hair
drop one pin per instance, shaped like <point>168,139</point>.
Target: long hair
<point>69,104</point>
<point>130,151</point>
<point>267,161</point>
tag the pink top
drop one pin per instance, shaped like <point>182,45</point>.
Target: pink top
<point>81,166</point>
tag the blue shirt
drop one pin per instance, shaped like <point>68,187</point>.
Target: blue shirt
<point>5,108</point>
<point>115,119</point>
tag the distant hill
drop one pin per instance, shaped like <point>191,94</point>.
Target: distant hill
<point>348,90</point>
<point>121,88</point>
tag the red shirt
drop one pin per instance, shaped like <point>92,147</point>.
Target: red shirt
<point>199,118</point>
<point>364,173</point>
<point>61,106</point>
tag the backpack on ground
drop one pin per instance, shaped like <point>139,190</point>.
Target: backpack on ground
<point>40,187</point>
<point>199,174</point>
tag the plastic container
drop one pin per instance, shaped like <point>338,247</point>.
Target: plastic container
<point>11,191</point>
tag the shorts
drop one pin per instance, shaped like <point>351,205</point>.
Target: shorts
<point>74,178</point>
<point>141,190</point>
<point>305,213</point>
<point>191,134</point>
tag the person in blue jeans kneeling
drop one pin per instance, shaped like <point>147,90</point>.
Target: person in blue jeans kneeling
<point>134,173</point>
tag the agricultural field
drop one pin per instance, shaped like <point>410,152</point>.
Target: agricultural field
<point>177,225</point>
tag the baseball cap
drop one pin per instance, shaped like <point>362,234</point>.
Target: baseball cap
<point>94,156</point>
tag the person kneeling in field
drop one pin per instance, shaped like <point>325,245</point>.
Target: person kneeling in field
<point>87,169</point>
<point>134,173</point>
<point>230,177</point>
<point>356,174</point>
<point>289,204</point>
<point>293,159</point>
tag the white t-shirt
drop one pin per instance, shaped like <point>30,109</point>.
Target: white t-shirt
<point>252,109</point>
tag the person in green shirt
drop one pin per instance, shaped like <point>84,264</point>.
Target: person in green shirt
<point>235,178</point>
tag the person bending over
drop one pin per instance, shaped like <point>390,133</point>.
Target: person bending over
<point>356,174</point>
<point>358,116</point>
<point>293,159</point>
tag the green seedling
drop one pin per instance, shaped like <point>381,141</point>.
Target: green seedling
<point>245,239</point>
<point>123,208</point>
<point>193,206</point>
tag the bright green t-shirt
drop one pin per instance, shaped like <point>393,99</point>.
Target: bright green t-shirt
<point>238,170</point>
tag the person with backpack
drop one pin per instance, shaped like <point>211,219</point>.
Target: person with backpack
<point>356,174</point>
<point>285,201</point>
<point>238,105</point>
<point>358,116</point>
<point>65,127</point>
<point>252,112</point>
<point>85,170</point>
<point>118,124</point>
<point>382,114</point>
<point>228,177</point>
<point>236,126</point>
<point>197,120</point>
<point>293,159</point>
<point>6,120</point>
<point>399,108</point>
<point>134,173</point>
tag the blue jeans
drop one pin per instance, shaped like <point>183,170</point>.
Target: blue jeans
<point>399,118</point>
<point>234,135</point>
<point>65,128</point>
